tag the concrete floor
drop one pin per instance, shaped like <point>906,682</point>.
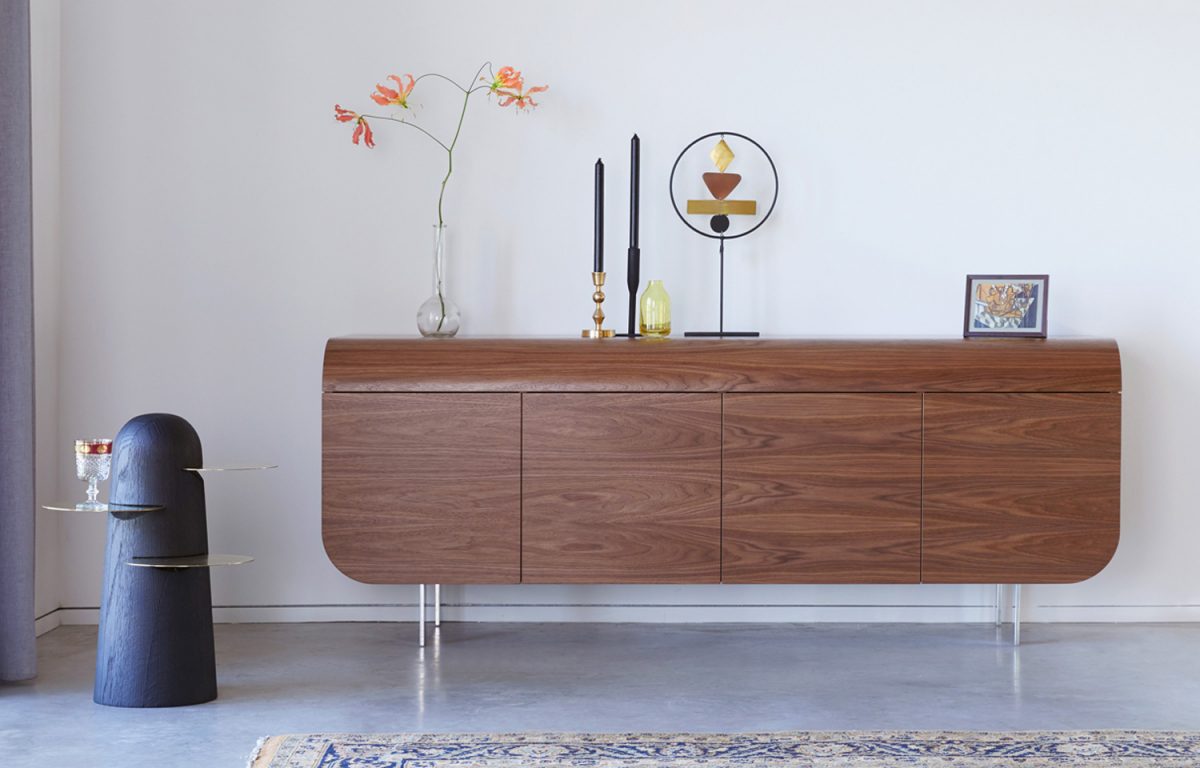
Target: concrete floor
<point>288,678</point>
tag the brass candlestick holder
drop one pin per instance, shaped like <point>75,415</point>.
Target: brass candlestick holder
<point>598,316</point>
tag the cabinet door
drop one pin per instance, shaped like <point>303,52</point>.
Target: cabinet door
<point>423,487</point>
<point>1021,488</point>
<point>822,489</point>
<point>621,488</point>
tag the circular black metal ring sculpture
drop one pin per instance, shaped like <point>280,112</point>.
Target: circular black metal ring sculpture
<point>721,235</point>
<point>719,223</point>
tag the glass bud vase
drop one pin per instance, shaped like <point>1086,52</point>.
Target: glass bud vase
<point>438,316</point>
<point>656,310</point>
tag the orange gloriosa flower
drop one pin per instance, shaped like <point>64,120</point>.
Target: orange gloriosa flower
<point>385,96</point>
<point>509,85</point>
<point>362,129</point>
<point>507,79</point>
<point>521,98</point>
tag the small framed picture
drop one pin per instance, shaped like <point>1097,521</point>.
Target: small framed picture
<point>1006,305</point>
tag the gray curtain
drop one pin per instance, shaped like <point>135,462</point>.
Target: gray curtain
<point>18,656</point>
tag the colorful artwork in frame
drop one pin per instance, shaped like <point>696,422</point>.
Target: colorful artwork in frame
<point>1006,305</point>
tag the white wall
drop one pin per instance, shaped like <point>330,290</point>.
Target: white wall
<point>44,26</point>
<point>221,227</point>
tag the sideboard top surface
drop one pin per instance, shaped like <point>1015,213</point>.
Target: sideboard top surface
<point>397,364</point>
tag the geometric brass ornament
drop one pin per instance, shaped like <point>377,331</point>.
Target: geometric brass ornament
<point>721,184</point>
<point>721,155</point>
<point>723,207</point>
<point>709,231</point>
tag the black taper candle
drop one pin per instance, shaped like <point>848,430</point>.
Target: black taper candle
<point>598,244</point>
<point>635,173</point>
<point>634,265</point>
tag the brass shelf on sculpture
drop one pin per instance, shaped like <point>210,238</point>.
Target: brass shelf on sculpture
<point>723,207</point>
<point>246,468</point>
<point>189,561</point>
<point>85,506</point>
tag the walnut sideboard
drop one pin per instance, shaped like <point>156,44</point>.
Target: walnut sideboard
<point>702,461</point>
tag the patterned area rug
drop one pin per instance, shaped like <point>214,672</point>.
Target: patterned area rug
<point>885,749</point>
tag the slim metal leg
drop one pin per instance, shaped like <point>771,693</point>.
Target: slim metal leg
<point>999,604</point>
<point>437,605</point>
<point>1016,614</point>
<point>421,613</point>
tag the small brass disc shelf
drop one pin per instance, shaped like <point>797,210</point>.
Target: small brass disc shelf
<point>190,561</point>
<point>85,506</point>
<point>246,468</point>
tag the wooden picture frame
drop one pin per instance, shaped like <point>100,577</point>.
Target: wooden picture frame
<point>1006,306</point>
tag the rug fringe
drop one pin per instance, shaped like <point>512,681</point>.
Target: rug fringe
<point>264,752</point>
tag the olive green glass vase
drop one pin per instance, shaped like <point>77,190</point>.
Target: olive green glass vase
<point>656,310</point>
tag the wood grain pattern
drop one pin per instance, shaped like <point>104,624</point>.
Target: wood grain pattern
<point>622,488</point>
<point>422,476</point>
<point>822,489</point>
<point>423,487</point>
<point>155,645</point>
<point>721,365</point>
<point>1020,488</point>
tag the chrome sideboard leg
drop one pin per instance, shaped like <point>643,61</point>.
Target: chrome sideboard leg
<point>437,605</point>
<point>1016,614</point>
<point>999,604</point>
<point>421,612</point>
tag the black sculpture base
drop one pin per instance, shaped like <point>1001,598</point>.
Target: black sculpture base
<point>721,334</point>
<point>156,633</point>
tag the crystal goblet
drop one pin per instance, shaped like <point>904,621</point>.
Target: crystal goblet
<point>93,463</point>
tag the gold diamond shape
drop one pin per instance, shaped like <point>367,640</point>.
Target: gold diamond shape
<point>721,155</point>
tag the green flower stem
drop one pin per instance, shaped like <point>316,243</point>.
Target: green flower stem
<point>462,115</point>
<point>402,121</point>
<point>467,93</point>
<point>441,195</point>
<point>439,265</point>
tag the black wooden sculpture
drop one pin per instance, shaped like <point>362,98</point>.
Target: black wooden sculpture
<point>156,630</point>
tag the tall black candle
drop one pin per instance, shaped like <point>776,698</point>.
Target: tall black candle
<point>598,243</point>
<point>635,174</point>
<point>633,267</point>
